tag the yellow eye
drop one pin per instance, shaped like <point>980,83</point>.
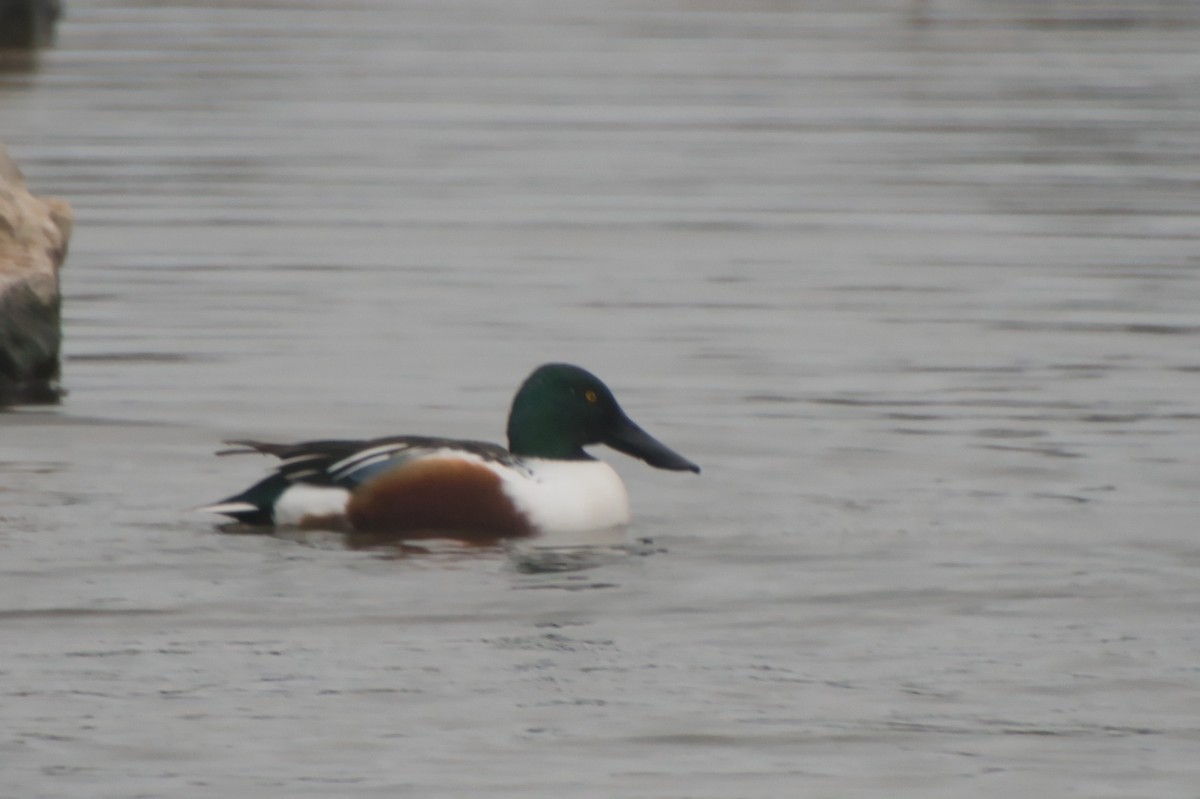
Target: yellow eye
<point>590,396</point>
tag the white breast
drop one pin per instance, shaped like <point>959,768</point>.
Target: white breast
<point>568,496</point>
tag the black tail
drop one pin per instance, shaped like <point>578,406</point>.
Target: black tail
<point>255,505</point>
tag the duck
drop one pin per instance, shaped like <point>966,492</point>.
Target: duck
<point>405,488</point>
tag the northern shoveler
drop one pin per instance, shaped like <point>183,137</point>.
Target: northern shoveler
<point>413,487</point>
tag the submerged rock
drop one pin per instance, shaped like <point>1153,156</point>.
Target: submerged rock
<point>25,24</point>
<point>33,244</point>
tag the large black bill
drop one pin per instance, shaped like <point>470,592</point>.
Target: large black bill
<point>627,437</point>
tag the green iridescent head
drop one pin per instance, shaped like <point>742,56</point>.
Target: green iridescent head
<point>561,408</point>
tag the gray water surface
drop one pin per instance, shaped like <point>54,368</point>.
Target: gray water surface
<point>915,283</point>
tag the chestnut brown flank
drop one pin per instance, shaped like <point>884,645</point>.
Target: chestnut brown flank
<point>436,498</point>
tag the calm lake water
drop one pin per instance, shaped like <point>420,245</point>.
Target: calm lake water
<point>917,284</point>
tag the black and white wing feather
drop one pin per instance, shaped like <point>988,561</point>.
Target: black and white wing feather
<point>349,463</point>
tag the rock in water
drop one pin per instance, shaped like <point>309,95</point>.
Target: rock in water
<point>33,244</point>
<point>25,24</point>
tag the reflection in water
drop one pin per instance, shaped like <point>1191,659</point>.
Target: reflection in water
<point>559,553</point>
<point>530,555</point>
